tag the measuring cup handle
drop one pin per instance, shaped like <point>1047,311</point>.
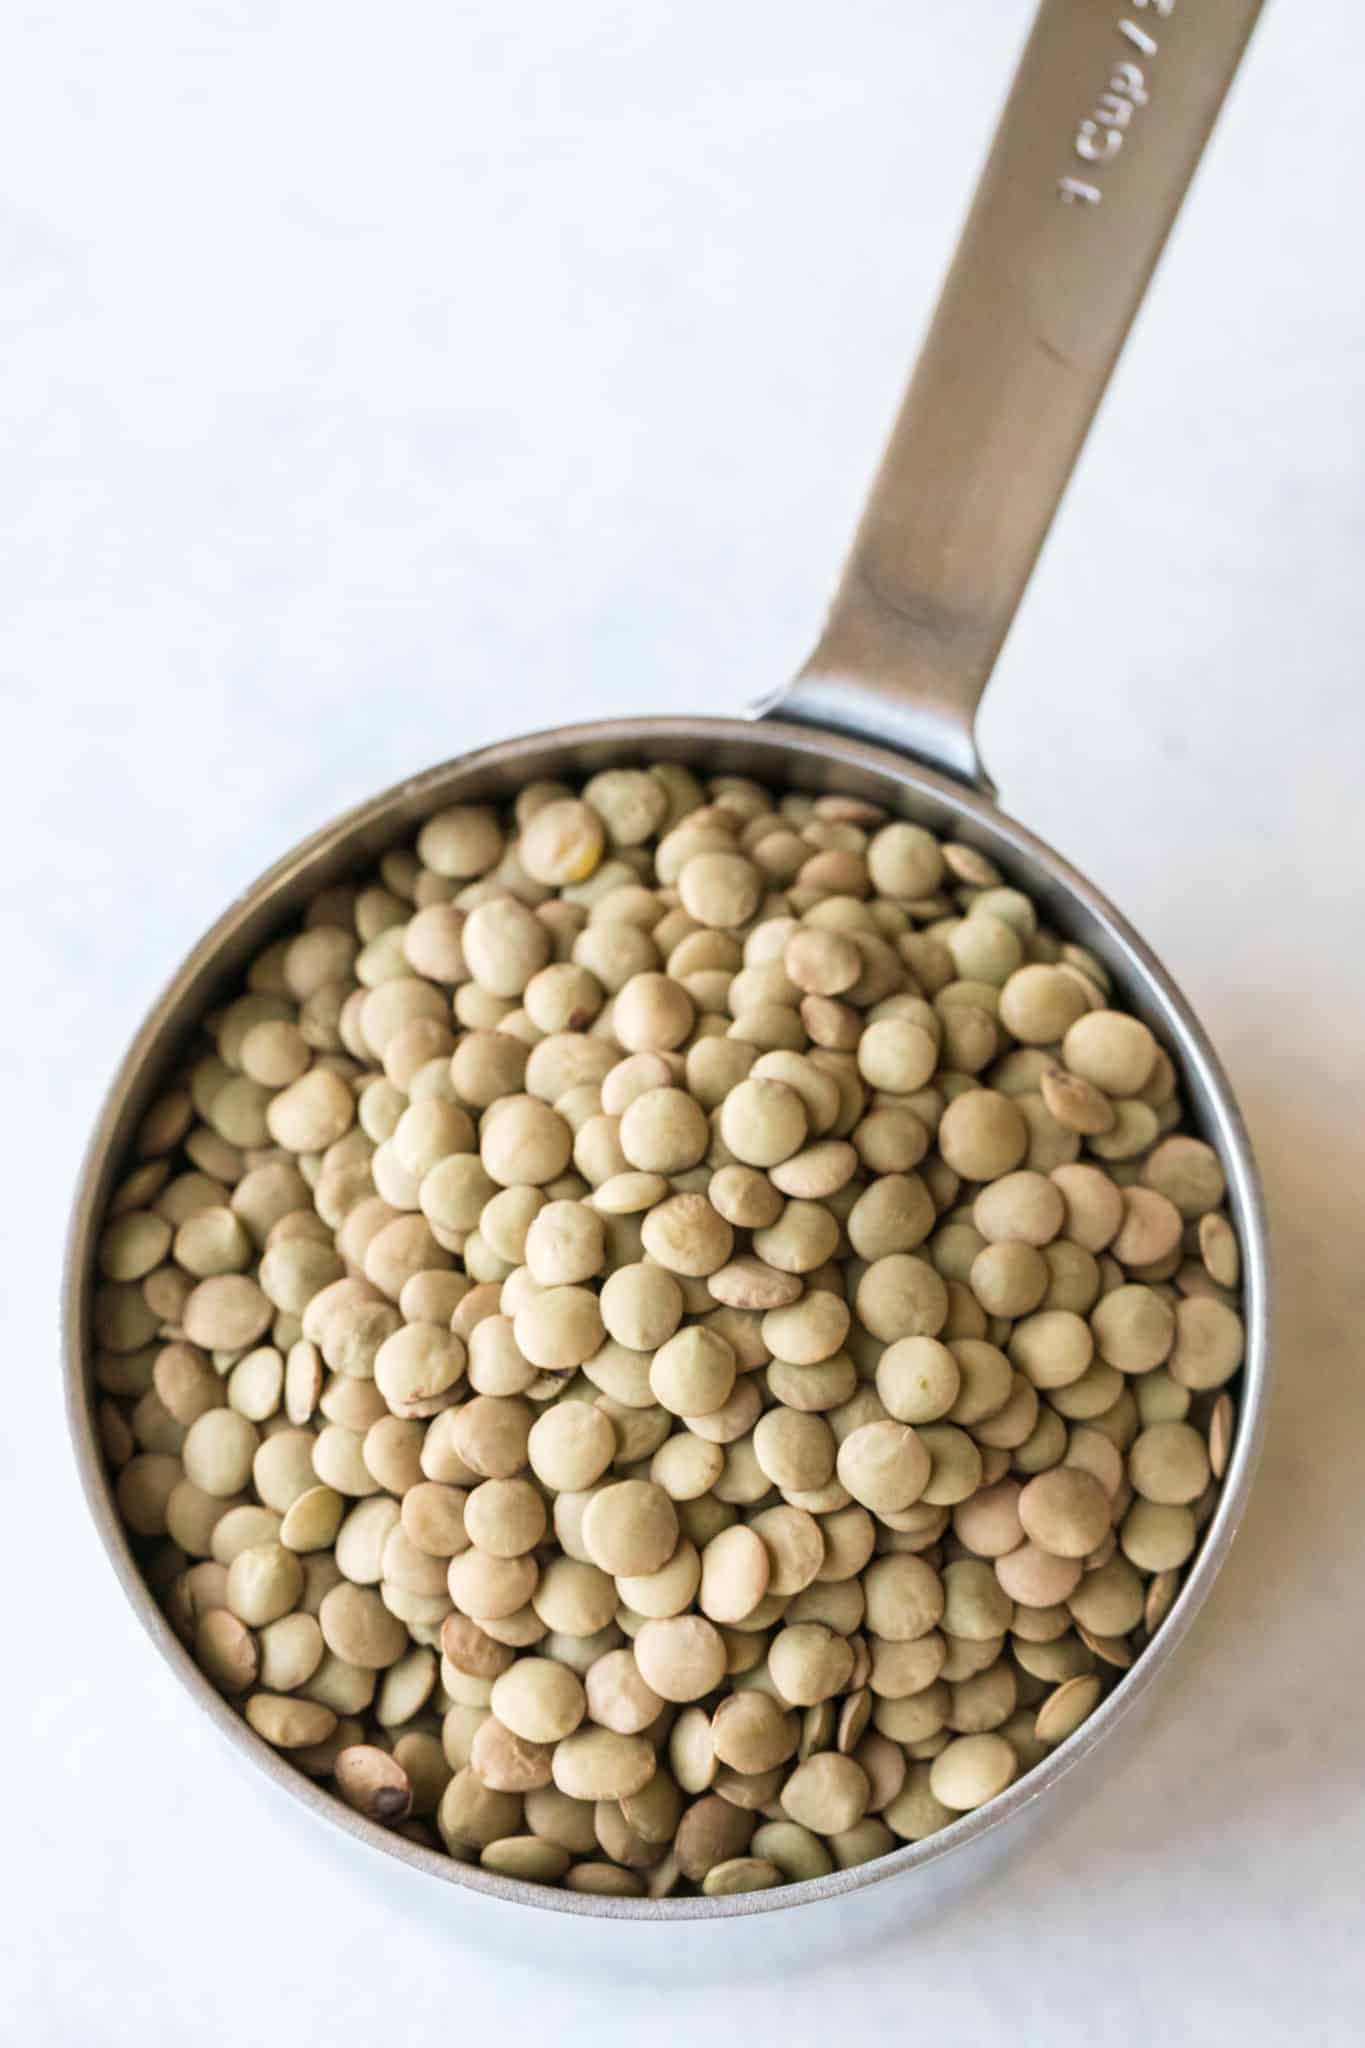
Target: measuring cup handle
<point>1109,112</point>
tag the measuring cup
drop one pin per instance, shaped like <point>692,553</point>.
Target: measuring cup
<point>1107,117</point>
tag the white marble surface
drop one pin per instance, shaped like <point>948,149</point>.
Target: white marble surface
<point>379,381</point>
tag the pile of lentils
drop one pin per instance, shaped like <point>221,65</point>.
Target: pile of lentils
<point>670,1340</point>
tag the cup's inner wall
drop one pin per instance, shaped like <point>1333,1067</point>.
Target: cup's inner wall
<point>784,757</point>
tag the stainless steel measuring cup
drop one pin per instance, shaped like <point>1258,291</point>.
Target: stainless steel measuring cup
<point>1106,120</point>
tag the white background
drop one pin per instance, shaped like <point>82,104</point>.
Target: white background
<point>380,381</point>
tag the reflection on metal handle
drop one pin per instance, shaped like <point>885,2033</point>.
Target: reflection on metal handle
<point>1109,112</point>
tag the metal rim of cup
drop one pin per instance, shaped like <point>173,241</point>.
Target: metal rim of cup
<point>797,757</point>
